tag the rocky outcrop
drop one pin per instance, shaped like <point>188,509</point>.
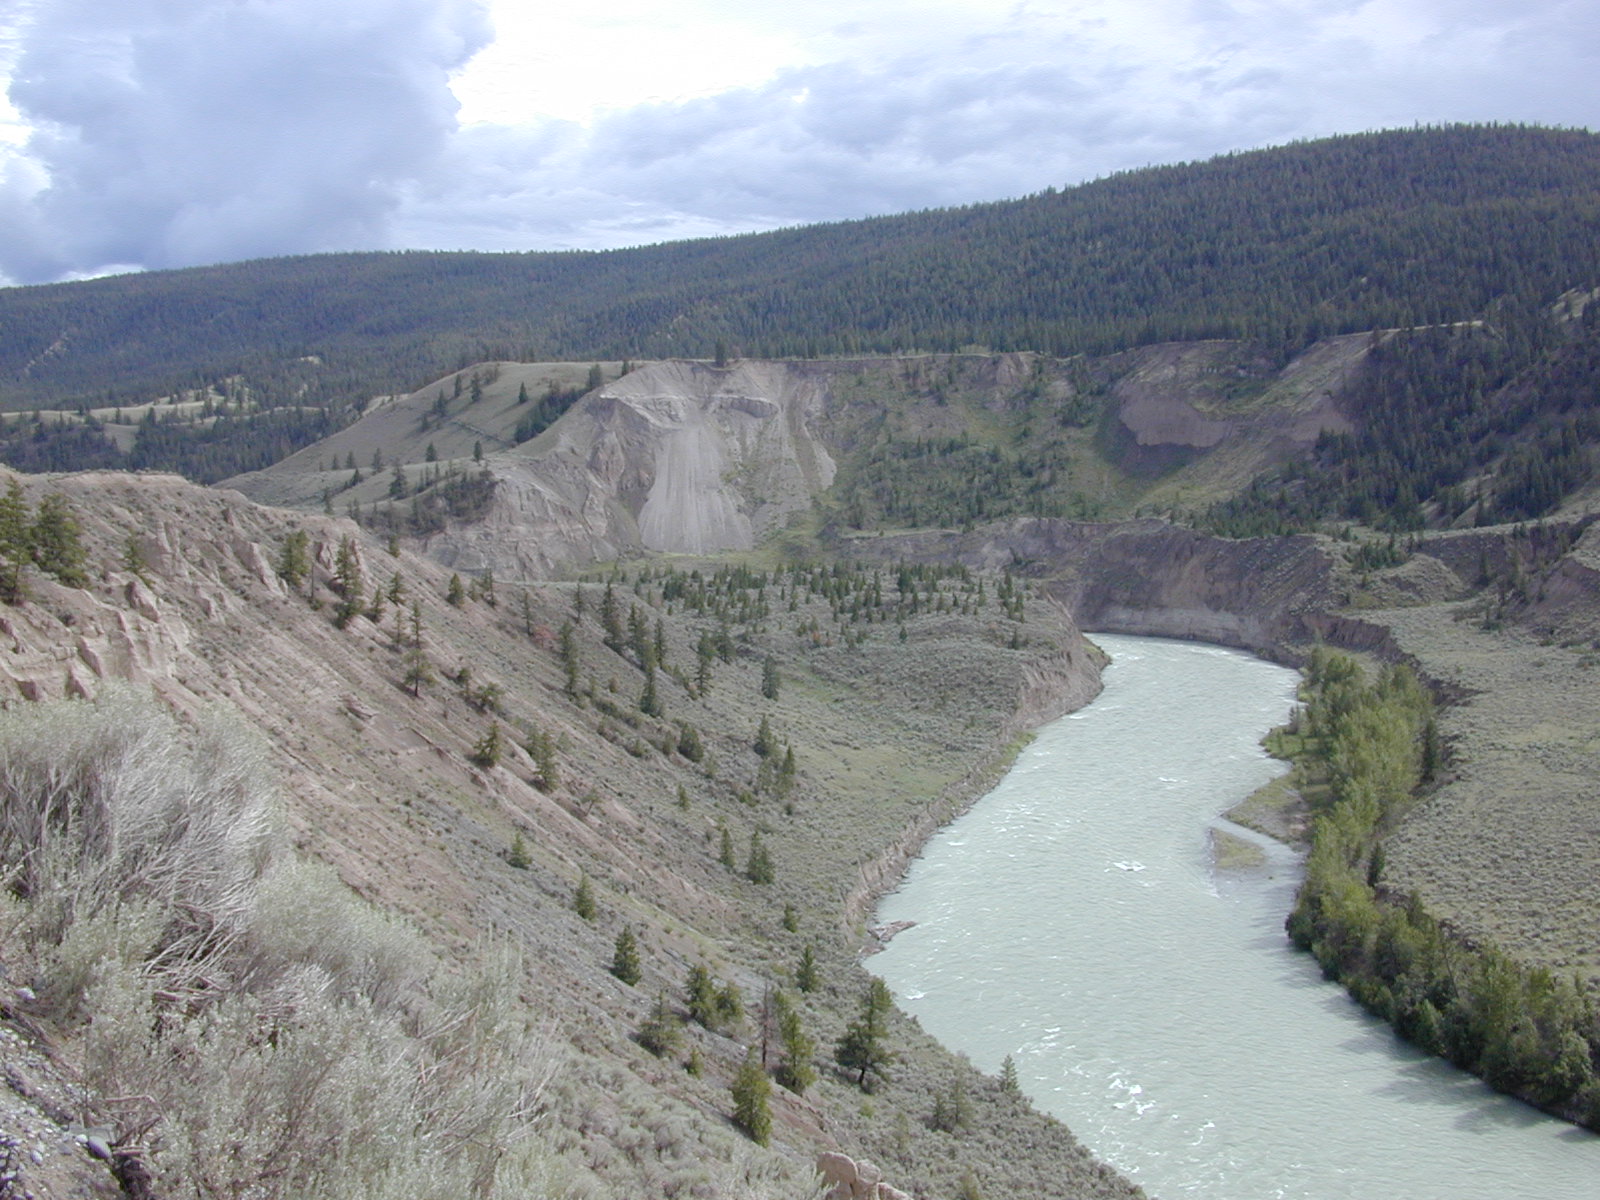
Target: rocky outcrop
<point>1148,577</point>
<point>851,1179</point>
<point>676,457</point>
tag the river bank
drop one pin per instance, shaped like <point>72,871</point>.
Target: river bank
<point>1163,1015</point>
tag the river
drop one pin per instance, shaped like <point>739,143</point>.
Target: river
<point>1074,919</point>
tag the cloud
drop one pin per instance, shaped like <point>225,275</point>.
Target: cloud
<point>174,132</point>
<point>182,131</point>
<point>909,114</point>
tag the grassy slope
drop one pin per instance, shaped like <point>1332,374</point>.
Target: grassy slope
<point>379,785</point>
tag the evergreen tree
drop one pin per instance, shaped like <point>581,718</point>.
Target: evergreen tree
<point>418,671</point>
<point>806,975</point>
<point>1008,1077</point>
<point>861,1048</point>
<point>16,542</point>
<point>796,1048</point>
<point>570,662</point>
<point>57,542</point>
<point>689,743</point>
<point>518,855</point>
<point>583,898</point>
<point>725,849</point>
<point>625,957</point>
<point>649,702</point>
<point>758,866</point>
<point>486,751</point>
<point>751,1104</point>
<point>455,594</point>
<point>702,990</point>
<point>294,558</point>
<point>769,678</point>
<point>348,583</point>
<point>661,1032</point>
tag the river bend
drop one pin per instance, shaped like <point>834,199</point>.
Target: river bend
<point>1075,920</point>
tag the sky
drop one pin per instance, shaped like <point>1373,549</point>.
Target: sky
<point>145,134</point>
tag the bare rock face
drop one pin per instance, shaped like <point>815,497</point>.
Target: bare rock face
<point>678,457</point>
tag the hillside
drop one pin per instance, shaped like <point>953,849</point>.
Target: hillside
<point>631,776</point>
<point>1339,235</point>
<point>686,457</point>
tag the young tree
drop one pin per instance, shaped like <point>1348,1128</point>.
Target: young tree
<point>518,855</point>
<point>348,583</point>
<point>570,661</point>
<point>649,701</point>
<point>861,1048</point>
<point>542,747</point>
<point>661,1031</point>
<point>625,957</point>
<point>689,743</point>
<point>725,850</point>
<point>702,989</point>
<point>418,671</point>
<point>770,679</point>
<point>752,1110</point>
<point>766,743</point>
<point>705,654</point>
<point>758,866</point>
<point>1008,1077</point>
<point>583,898</point>
<point>806,975</point>
<point>796,1048</point>
<point>455,593</point>
<point>487,749</point>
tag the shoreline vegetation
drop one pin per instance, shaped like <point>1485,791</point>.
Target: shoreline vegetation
<point>1364,751</point>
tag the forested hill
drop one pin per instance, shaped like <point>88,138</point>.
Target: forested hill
<point>1356,232</point>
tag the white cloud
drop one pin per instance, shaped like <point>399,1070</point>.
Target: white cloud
<point>170,132</point>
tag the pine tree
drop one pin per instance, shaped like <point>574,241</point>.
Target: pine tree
<point>57,542</point>
<point>583,898</point>
<point>518,855</point>
<point>725,850</point>
<point>769,678</point>
<point>751,1100</point>
<point>861,1048</point>
<point>702,990</point>
<point>348,583</point>
<point>758,866</point>
<point>486,751</point>
<point>625,957</point>
<point>806,975</point>
<point>649,702</point>
<point>766,742</point>
<point>661,1031</point>
<point>455,594</point>
<point>570,662</point>
<point>418,670</point>
<point>294,559</point>
<point>16,542</point>
<point>797,1049</point>
<point>1008,1077</point>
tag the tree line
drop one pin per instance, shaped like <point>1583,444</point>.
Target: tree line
<point>1363,748</point>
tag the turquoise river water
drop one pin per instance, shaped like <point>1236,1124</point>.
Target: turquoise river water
<point>1074,919</point>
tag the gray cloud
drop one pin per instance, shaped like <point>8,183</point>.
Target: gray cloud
<point>173,132</point>
<point>955,115</point>
<point>219,129</point>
